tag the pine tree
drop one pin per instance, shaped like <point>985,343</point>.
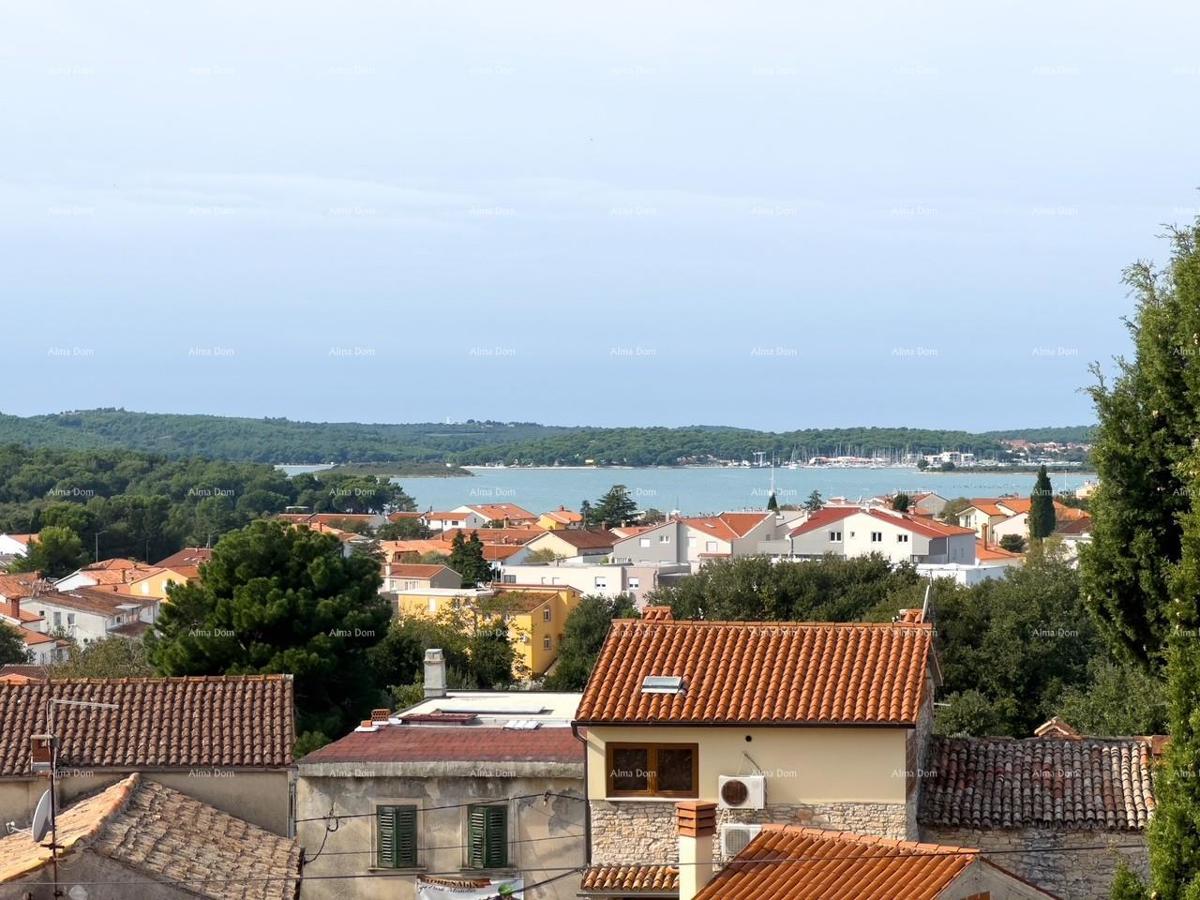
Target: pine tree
<point>1041,507</point>
<point>467,559</point>
<point>772,503</point>
<point>814,502</point>
<point>615,508</point>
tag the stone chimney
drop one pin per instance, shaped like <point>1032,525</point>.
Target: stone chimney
<point>435,673</point>
<point>697,824</point>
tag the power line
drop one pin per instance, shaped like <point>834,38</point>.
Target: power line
<point>480,802</point>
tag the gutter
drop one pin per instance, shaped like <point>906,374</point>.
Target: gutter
<point>587,812</point>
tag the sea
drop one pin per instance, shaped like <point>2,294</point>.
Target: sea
<point>703,490</point>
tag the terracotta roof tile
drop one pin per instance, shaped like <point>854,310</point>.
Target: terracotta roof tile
<point>230,721</point>
<point>165,835</point>
<point>760,672</point>
<point>632,880</point>
<point>586,538</point>
<point>795,863</point>
<point>468,743</point>
<point>413,570</point>
<point>1066,784</point>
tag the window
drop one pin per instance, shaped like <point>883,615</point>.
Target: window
<point>546,642</point>
<point>653,770</point>
<point>634,583</point>
<point>643,542</point>
<point>396,837</point>
<point>835,535</point>
<point>57,620</point>
<point>601,582</point>
<point>710,546</point>
<point>664,539</point>
<point>546,614</point>
<point>902,539</point>
<point>876,537</point>
<point>487,837</point>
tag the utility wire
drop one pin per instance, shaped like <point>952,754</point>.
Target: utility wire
<point>424,809</point>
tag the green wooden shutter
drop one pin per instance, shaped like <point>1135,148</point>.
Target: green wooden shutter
<point>396,846</point>
<point>406,836</point>
<point>385,843</point>
<point>487,837</point>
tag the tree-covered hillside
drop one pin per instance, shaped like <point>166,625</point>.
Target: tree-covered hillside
<point>470,443</point>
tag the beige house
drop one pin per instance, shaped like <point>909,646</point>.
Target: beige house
<point>416,577</point>
<point>478,788</point>
<point>224,740</point>
<point>814,724</point>
<point>595,543</point>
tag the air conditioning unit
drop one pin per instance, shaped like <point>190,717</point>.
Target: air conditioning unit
<point>742,791</point>
<point>735,838</point>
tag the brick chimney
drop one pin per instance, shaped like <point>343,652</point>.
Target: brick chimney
<point>435,673</point>
<point>697,824</point>
<point>13,609</point>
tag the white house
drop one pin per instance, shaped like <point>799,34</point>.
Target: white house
<point>92,614</point>
<point>699,539</point>
<point>15,544</point>
<point>602,579</point>
<point>464,517</point>
<point>851,532</point>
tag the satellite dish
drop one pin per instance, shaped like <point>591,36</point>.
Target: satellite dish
<point>41,818</point>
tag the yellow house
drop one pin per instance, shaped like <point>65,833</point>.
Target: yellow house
<point>825,724</point>
<point>536,616</point>
<point>560,518</point>
<point>155,583</point>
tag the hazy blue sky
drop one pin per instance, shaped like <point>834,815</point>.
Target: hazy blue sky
<point>764,214</point>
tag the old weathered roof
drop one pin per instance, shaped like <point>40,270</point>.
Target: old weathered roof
<point>166,836</point>
<point>464,743</point>
<point>773,673</point>
<point>213,720</point>
<point>624,880</point>
<point>1076,784</point>
<point>796,863</point>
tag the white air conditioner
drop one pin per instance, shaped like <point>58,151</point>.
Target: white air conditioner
<point>742,791</point>
<point>735,838</point>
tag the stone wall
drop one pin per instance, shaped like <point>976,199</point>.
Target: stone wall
<point>1079,875</point>
<point>645,831</point>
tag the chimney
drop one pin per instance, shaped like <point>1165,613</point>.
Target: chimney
<point>435,673</point>
<point>697,824</point>
<point>14,609</point>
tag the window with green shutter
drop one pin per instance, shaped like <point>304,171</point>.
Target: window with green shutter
<point>396,837</point>
<point>487,837</point>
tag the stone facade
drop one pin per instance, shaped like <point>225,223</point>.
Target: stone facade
<point>637,831</point>
<point>1083,875</point>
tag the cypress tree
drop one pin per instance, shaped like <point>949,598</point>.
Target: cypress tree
<point>1041,507</point>
<point>1147,423</point>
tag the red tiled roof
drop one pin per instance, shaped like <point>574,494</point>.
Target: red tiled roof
<point>412,570</point>
<point>564,515</point>
<point>760,673</point>
<point>233,721</point>
<point>827,515</point>
<point>646,880</point>
<point>1056,783</point>
<point>187,561</point>
<point>789,862</point>
<point>983,551</point>
<point>518,536</point>
<point>101,601</point>
<point>727,526</point>
<point>586,538</point>
<point>502,511</point>
<point>468,743</point>
<point>18,586</point>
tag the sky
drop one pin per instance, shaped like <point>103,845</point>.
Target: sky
<point>763,214</point>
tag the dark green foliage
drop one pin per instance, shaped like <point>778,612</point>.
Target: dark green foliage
<point>12,646</point>
<point>334,492</point>
<point>1118,699</point>
<point>1128,886</point>
<point>829,589</point>
<point>614,509</point>
<point>814,501</point>
<point>1148,423</point>
<point>109,658</point>
<point>1041,507</point>
<point>1010,647</point>
<point>772,503</point>
<point>492,656</point>
<point>1013,543</point>
<point>466,558</point>
<point>901,502</point>
<point>281,600</point>
<point>58,551</point>
<point>285,441</point>
<point>583,636</point>
<point>953,507</point>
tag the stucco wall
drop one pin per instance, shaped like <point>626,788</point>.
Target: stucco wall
<point>546,837</point>
<point>260,797</point>
<point>802,765</point>
<point>1080,875</point>
<point>86,869</point>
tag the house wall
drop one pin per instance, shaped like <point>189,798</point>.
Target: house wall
<point>92,874</point>
<point>1018,525</point>
<point>546,838</point>
<point>156,585</point>
<point>765,530</point>
<point>674,550</point>
<point>582,578</point>
<point>88,626</point>
<point>1083,875</point>
<point>262,797</point>
<point>808,781</point>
